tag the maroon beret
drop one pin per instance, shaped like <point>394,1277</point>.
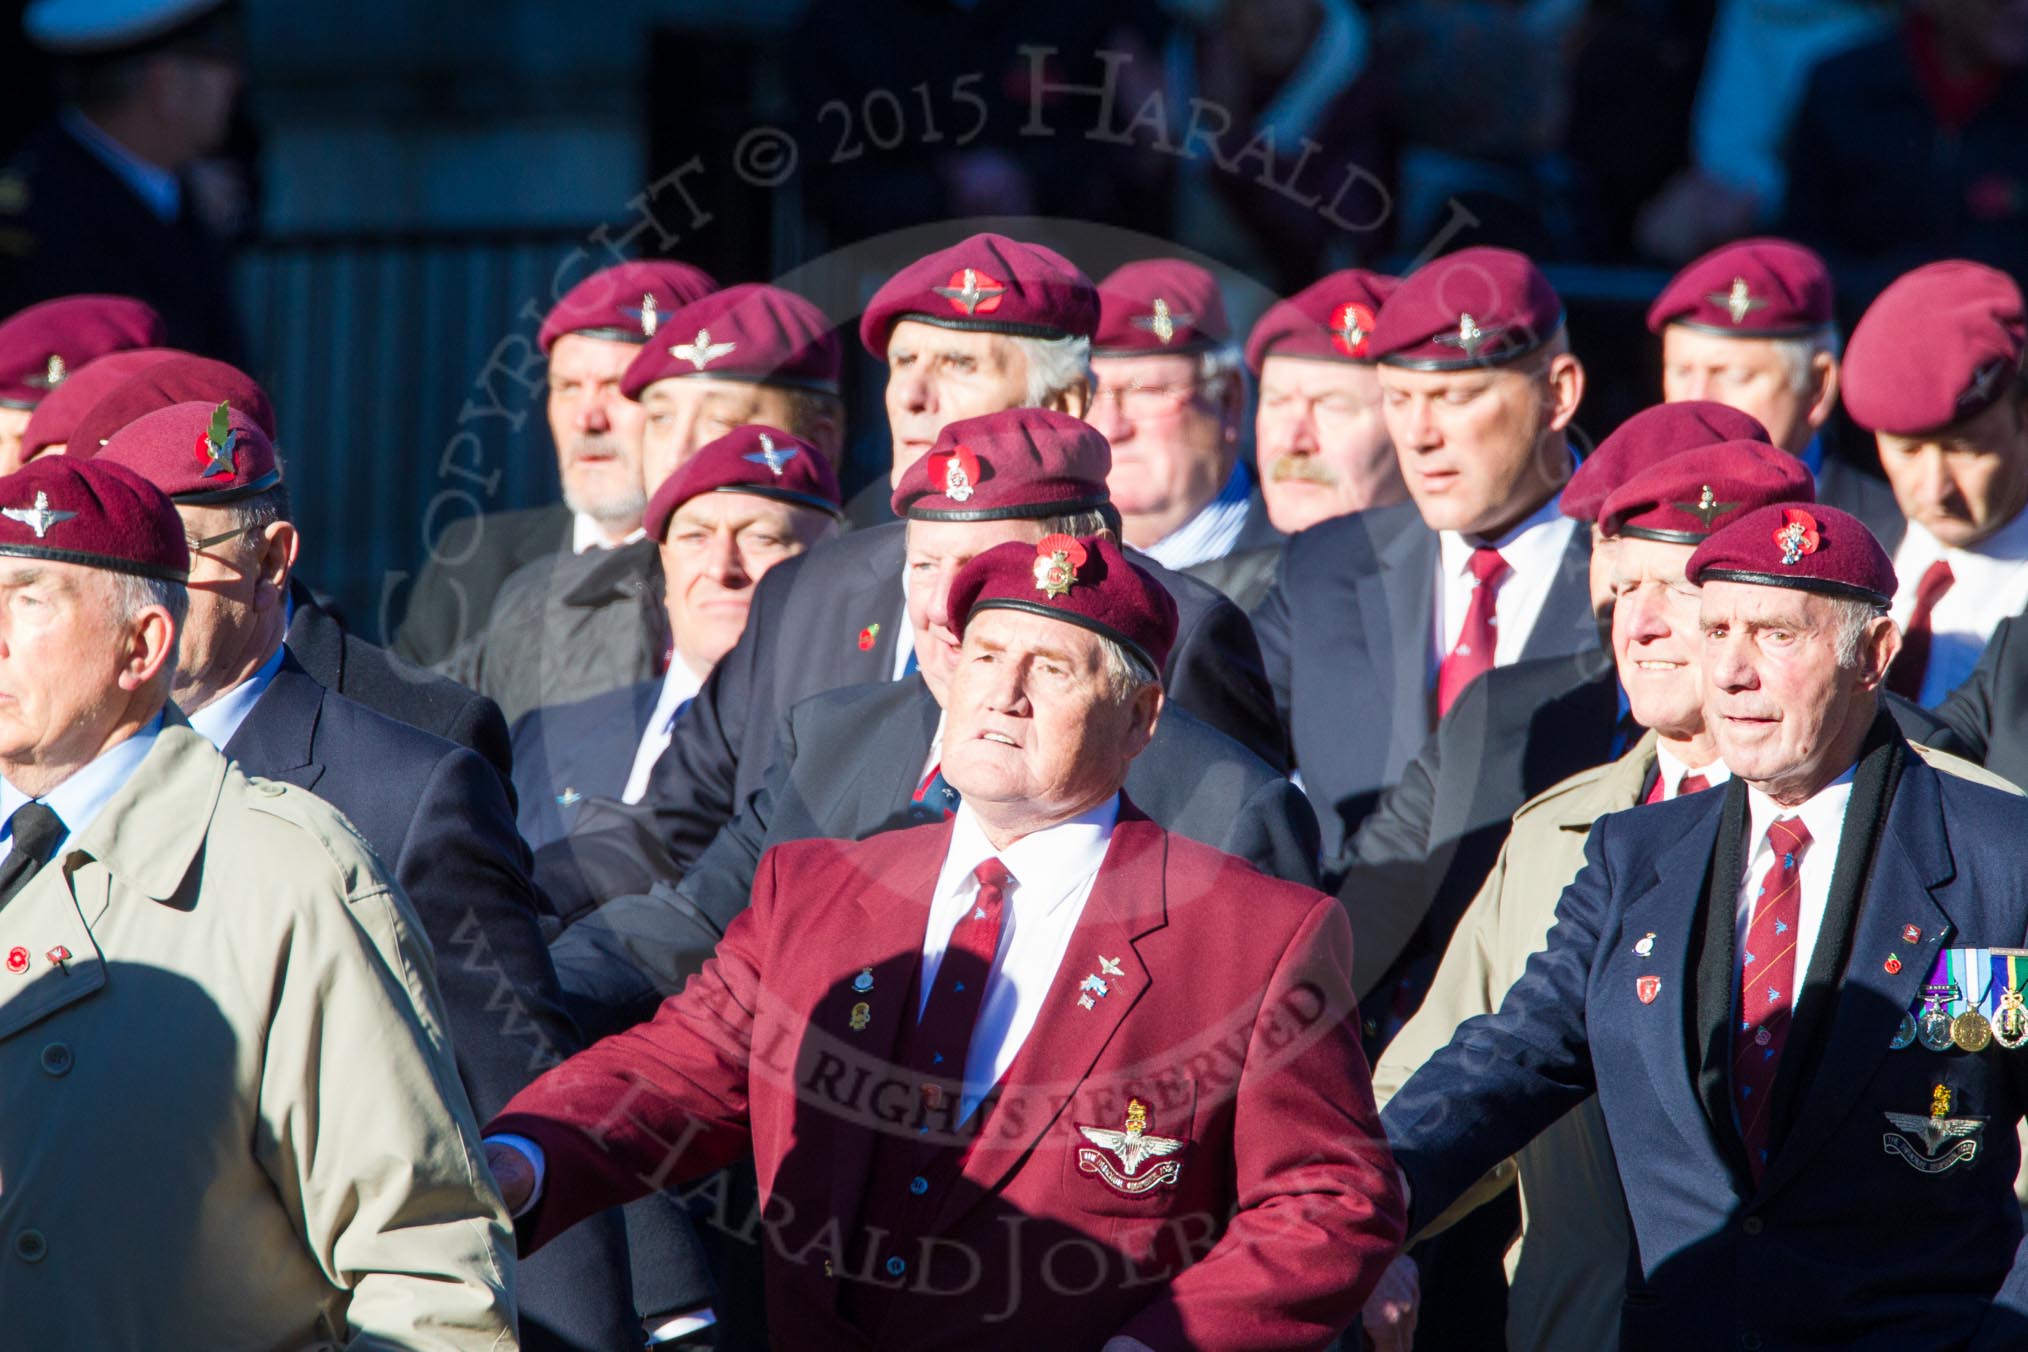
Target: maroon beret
<point>57,417</point>
<point>1751,288</point>
<point>747,332</point>
<point>197,453</point>
<point>989,283</point>
<point>42,344</point>
<point>1477,307</point>
<point>93,513</point>
<point>1687,497</point>
<point>763,461</point>
<point>1807,548</point>
<point>1941,344</point>
<point>179,378</point>
<point>1650,437</point>
<point>1087,582</point>
<point>1333,318</point>
<point>625,303</point>
<point>1017,465</point>
<point>1159,305</point>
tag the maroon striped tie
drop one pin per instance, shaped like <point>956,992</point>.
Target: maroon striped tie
<point>1767,994</point>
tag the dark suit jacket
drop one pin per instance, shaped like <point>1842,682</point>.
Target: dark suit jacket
<point>845,767</point>
<point>437,817</point>
<point>1843,1243</point>
<point>1987,717</point>
<point>1346,633</point>
<point>453,596</point>
<point>830,618</point>
<point>1245,572</point>
<point>393,688</point>
<point>567,753</point>
<point>1851,489</point>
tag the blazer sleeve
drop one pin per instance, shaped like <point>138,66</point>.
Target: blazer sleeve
<point>1383,875</point>
<point>1967,713</point>
<point>1272,632</point>
<point>479,724</point>
<point>1319,1213</point>
<point>353,1077</point>
<point>1506,1076</point>
<point>1216,672</point>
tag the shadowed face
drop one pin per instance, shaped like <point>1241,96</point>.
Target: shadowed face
<point>937,376</point>
<point>1475,445</point>
<point>685,414</point>
<point>1965,482</point>
<point>936,551</point>
<point>717,547</point>
<point>1322,442</point>
<point>1749,374</point>
<point>597,430</point>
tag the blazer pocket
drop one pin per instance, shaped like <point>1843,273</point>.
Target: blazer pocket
<point>1129,1154</point>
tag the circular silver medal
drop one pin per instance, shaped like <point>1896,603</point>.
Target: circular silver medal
<point>1934,1031</point>
<point>1904,1034</point>
<point>2010,1021</point>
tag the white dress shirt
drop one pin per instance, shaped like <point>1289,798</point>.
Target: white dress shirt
<point>79,800</point>
<point>1673,772</point>
<point>220,719</point>
<point>1212,532</point>
<point>1534,553</point>
<point>679,686</point>
<point>586,534</point>
<point>1990,582</point>
<point>1824,816</point>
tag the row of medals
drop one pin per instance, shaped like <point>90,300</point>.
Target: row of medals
<point>1971,1031</point>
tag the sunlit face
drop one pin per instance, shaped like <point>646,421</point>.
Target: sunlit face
<point>1031,726</point>
<point>1322,442</point>
<point>684,414</point>
<point>936,551</point>
<point>1965,482</point>
<point>1173,440</point>
<point>1749,374</point>
<point>1782,710</point>
<point>13,422</point>
<point>937,376</point>
<point>717,547</point>
<point>1473,444</point>
<point>66,666</point>
<point>1656,636</point>
<point>597,430</point>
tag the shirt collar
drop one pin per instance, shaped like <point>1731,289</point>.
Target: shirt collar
<point>155,186</point>
<point>1213,531</point>
<point>219,720</point>
<point>1823,813</point>
<point>1673,771</point>
<point>2009,544</point>
<point>679,686</point>
<point>1535,542</point>
<point>1049,865</point>
<point>586,535</point>
<point>78,800</point>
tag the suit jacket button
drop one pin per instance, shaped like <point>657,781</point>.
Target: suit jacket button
<point>896,1266</point>
<point>1752,1225</point>
<point>56,1059</point>
<point>918,1185</point>
<point>30,1246</point>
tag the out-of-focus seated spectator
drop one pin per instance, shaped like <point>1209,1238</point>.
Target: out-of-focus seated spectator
<point>739,506</point>
<point>1915,146</point>
<point>1759,58</point>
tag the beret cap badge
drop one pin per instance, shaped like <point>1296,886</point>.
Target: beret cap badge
<point>959,472</point>
<point>1057,559</point>
<point>215,444</point>
<point>972,292</point>
<point>1796,536</point>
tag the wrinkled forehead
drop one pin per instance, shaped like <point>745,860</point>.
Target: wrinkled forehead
<point>914,338</point>
<point>52,576</point>
<point>1022,633</point>
<point>1693,347</point>
<point>1768,607</point>
<point>1636,560</point>
<point>1158,368</point>
<point>723,507</point>
<point>1317,376</point>
<point>1512,382</point>
<point>946,541</point>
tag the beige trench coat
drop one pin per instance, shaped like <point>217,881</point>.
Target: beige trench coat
<point>1564,1287</point>
<point>229,1117</point>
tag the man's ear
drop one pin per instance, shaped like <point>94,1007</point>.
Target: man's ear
<point>1824,399</point>
<point>1566,390</point>
<point>1877,652</point>
<point>275,553</point>
<point>1147,714</point>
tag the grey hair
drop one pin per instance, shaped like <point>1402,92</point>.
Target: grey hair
<point>1216,370</point>
<point>133,594</point>
<point>1126,674</point>
<point>1851,619</point>
<point>1799,356</point>
<point>261,510</point>
<point>1055,366</point>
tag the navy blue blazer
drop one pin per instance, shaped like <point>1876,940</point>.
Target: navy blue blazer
<point>1844,1243</point>
<point>566,753</point>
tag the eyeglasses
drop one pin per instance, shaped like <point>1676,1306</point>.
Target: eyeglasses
<point>1136,400</point>
<point>199,546</point>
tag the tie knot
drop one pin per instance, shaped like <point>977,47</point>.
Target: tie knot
<point>1487,565</point>
<point>1936,580</point>
<point>992,874</point>
<point>1692,784</point>
<point>35,828</point>
<point>1789,835</point>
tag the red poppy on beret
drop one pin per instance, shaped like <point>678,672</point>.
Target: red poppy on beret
<point>56,418</point>
<point>1808,548</point>
<point>1088,583</point>
<point>765,462</point>
<point>1019,464</point>
<point>1648,438</point>
<point>1751,288</point>
<point>179,378</point>
<point>1159,305</point>
<point>93,513</point>
<point>200,454</point>
<point>1477,307</point>
<point>1333,319</point>
<point>1690,495</point>
<point>988,283</point>
<point>747,332</point>
<point>1941,344</point>
<point>625,303</point>
<point>41,345</point>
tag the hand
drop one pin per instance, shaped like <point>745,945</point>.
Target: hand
<point>1389,1316</point>
<point>512,1174</point>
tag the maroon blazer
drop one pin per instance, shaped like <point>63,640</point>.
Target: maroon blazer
<point>1227,1016</point>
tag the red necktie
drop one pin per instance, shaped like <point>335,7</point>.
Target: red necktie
<point>1912,664</point>
<point>1767,980</point>
<point>937,1050</point>
<point>1691,784</point>
<point>1476,641</point>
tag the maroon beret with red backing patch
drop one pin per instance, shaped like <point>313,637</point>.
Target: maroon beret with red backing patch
<point>56,418</point>
<point>43,344</point>
<point>92,513</point>
<point>988,283</point>
<point>625,303</point>
<point>1648,438</point>
<point>1751,288</point>
<point>747,332</point>
<point>764,461</point>
<point>1159,305</point>
<point>1086,582</point>
<point>1803,547</point>
<point>1941,344</point>
<point>1333,319</point>
<point>1477,307</point>
<point>199,454</point>
<point>179,378</point>
<point>1020,464</point>
<point>1689,496</point>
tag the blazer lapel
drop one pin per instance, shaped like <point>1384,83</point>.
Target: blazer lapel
<point>1566,619</point>
<point>870,613</point>
<point>316,639</point>
<point>1401,596</point>
<point>1717,975</point>
<point>279,733</point>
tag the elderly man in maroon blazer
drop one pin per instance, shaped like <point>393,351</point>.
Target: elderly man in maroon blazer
<point>1043,1068</point>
